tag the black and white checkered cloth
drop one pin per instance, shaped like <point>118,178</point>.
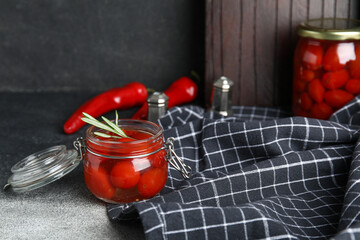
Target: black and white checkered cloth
<point>259,174</point>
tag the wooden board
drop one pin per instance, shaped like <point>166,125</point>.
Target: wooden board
<point>252,43</point>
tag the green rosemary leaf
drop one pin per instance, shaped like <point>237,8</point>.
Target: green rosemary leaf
<point>98,124</point>
<point>116,118</point>
<point>105,135</point>
<point>109,126</point>
<point>88,116</point>
<point>93,121</point>
<point>115,127</point>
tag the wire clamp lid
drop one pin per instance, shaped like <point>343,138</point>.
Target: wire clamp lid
<point>174,160</point>
<point>80,146</point>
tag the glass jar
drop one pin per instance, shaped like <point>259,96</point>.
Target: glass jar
<point>125,170</point>
<point>116,170</point>
<point>326,66</point>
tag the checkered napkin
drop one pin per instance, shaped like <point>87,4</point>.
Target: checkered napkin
<point>258,174</point>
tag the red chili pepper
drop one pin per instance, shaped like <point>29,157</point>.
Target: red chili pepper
<point>130,95</point>
<point>182,91</point>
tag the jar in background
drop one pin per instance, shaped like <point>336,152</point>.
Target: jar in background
<point>125,170</point>
<point>326,66</point>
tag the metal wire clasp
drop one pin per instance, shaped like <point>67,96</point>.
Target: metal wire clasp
<point>174,160</point>
<point>79,145</point>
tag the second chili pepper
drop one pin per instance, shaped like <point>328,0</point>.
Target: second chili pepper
<point>130,95</point>
<point>182,91</point>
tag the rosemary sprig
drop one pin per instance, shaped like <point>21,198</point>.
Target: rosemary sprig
<point>108,126</point>
<point>104,135</point>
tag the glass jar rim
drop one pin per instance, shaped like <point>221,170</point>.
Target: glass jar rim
<point>158,131</point>
<point>330,29</point>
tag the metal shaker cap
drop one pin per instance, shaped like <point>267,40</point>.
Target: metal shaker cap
<point>157,106</point>
<point>224,84</point>
<point>222,96</point>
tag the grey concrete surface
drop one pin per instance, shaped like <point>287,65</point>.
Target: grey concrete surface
<point>64,209</point>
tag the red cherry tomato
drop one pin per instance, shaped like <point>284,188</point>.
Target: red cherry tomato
<point>296,98</point>
<point>123,175</point>
<point>336,79</point>
<point>337,98</point>
<point>353,86</point>
<point>299,85</point>
<point>305,74</point>
<point>312,55</point>
<point>98,182</point>
<point>316,90</point>
<point>158,159</point>
<point>296,103</point>
<point>338,55</point>
<point>298,111</point>
<point>321,111</point>
<point>152,181</point>
<point>305,101</point>
<point>331,59</point>
<point>354,66</point>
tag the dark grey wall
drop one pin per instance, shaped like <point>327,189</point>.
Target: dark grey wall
<point>95,45</point>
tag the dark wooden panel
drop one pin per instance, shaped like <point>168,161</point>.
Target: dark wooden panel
<point>299,13</point>
<point>252,42</point>
<point>354,6</point>
<point>341,8</point>
<point>212,48</point>
<point>247,71</point>
<point>265,28</point>
<point>315,8</point>
<point>217,37</point>
<point>283,34</point>
<point>231,39</point>
<point>209,63</point>
<point>329,9</point>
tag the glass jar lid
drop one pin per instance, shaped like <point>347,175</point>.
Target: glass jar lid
<point>330,29</point>
<point>42,168</point>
